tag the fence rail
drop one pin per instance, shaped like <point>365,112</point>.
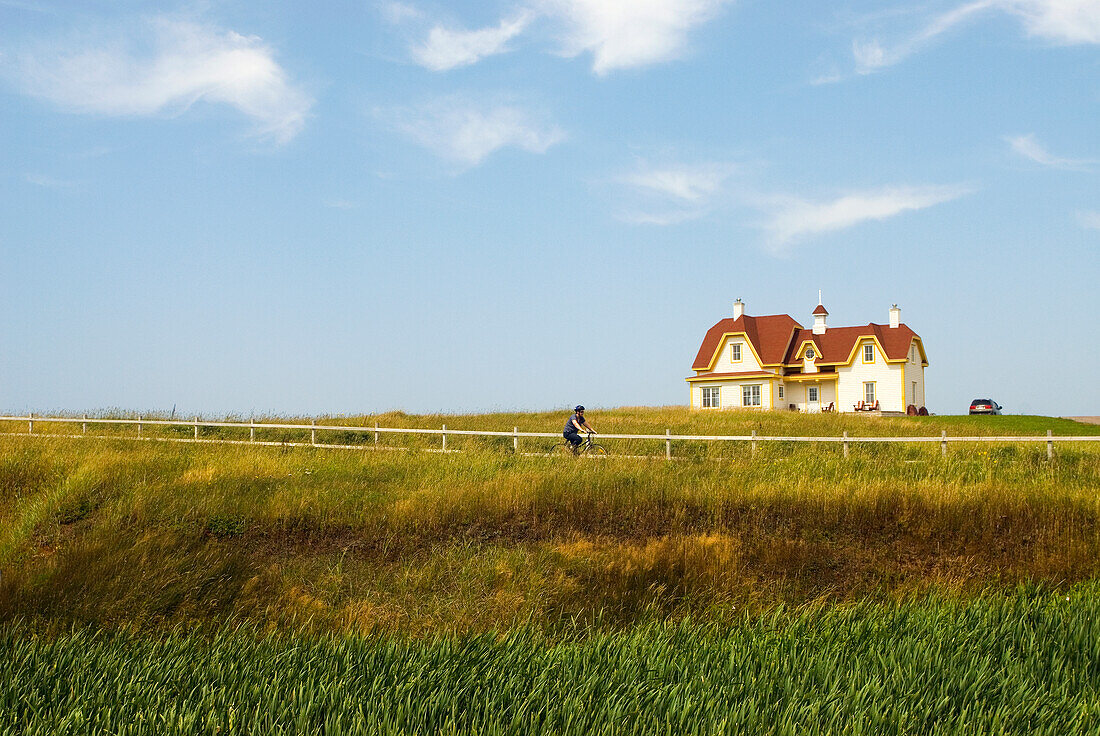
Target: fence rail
<point>668,438</point>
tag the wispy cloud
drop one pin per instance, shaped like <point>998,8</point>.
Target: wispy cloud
<point>1089,219</point>
<point>791,219</point>
<point>621,34</point>
<point>872,55</point>
<point>166,66</point>
<point>1029,148</point>
<point>398,12</point>
<point>448,48</point>
<point>687,183</point>
<point>47,182</point>
<point>1059,21</point>
<point>466,131</point>
<point>1064,22</point>
<point>673,193</point>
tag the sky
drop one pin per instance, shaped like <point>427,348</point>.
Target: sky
<point>352,207</point>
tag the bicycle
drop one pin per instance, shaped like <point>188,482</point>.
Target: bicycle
<point>586,447</point>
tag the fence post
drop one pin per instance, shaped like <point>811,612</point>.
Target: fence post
<point>139,425</point>
<point>845,443</point>
<point>515,440</point>
<point>444,438</point>
<point>668,444</point>
<point>943,443</point>
<point>313,432</point>
<point>1050,446</point>
<point>376,434</point>
<point>251,429</point>
<point>196,426</point>
<point>30,422</point>
<point>754,442</point>
<point>84,426</point>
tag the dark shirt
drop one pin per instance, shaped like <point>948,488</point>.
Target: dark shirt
<point>569,423</point>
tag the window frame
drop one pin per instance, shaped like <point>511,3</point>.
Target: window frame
<point>714,395</point>
<point>781,392</point>
<point>736,353</point>
<point>816,395</point>
<point>870,393</point>
<point>751,394</point>
<point>867,345</point>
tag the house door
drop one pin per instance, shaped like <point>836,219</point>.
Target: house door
<point>813,398</point>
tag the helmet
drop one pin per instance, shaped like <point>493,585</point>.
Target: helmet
<point>578,407</point>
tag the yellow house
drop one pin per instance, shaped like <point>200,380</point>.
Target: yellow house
<point>773,362</point>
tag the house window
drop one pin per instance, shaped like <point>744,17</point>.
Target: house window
<point>913,354</point>
<point>868,352</point>
<point>811,394</point>
<point>710,397</point>
<point>914,392</point>
<point>735,352</point>
<point>750,395</point>
<point>869,392</point>
<point>781,391</point>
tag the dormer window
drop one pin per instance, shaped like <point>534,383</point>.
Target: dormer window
<point>735,352</point>
<point>868,352</point>
<point>810,353</point>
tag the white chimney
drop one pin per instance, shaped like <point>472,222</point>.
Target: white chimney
<point>895,316</point>
<point>820,313</point>
<point>738,309</point>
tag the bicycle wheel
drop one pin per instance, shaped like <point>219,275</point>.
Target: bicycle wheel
<point>597,450</point>
<point>562,449</point>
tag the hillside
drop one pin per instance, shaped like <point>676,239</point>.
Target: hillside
<point>124,532</point>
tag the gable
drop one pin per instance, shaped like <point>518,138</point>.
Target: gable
<point>768,337</point>
<point>838,345</point>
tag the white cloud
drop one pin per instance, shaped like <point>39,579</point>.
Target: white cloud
<point>398,12</point>
<point>674,193</point>
<point>621,34</point>
<point>467,132</point>
<point>48,182</point>
<point>1089,220</point>
<point>871,55</point>
<point>1029,148</point>
<point>1058,21</point>
<point>447,49</point>
<point>688,183</point>
<point>183,63</point>
<point>792,219</point>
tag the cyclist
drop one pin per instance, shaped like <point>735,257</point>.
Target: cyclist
<point>574,425</point>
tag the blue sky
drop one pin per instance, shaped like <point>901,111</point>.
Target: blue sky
<point>281,208</point>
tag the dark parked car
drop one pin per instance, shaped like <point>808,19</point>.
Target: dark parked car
<point>985,406</point>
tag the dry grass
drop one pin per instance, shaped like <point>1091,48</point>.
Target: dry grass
<point>113,532</point>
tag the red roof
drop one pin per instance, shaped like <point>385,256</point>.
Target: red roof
<point>821,310</point>
<point>836,344</point>
<point>770,337</point>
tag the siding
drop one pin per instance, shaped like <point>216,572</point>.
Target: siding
<point>730,393</point>
<point>748,361</point>
<point>887,378</point>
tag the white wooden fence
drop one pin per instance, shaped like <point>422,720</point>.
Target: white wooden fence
<point>668,438</point>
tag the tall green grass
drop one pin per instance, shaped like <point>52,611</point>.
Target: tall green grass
<point>1027,662</point>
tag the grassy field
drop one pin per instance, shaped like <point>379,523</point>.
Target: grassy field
<point>496,559</point>
<point>1027,662</point>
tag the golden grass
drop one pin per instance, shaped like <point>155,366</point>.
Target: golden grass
<point>105,531</point>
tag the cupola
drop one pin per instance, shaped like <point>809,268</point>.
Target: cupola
<point>819,319</point>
